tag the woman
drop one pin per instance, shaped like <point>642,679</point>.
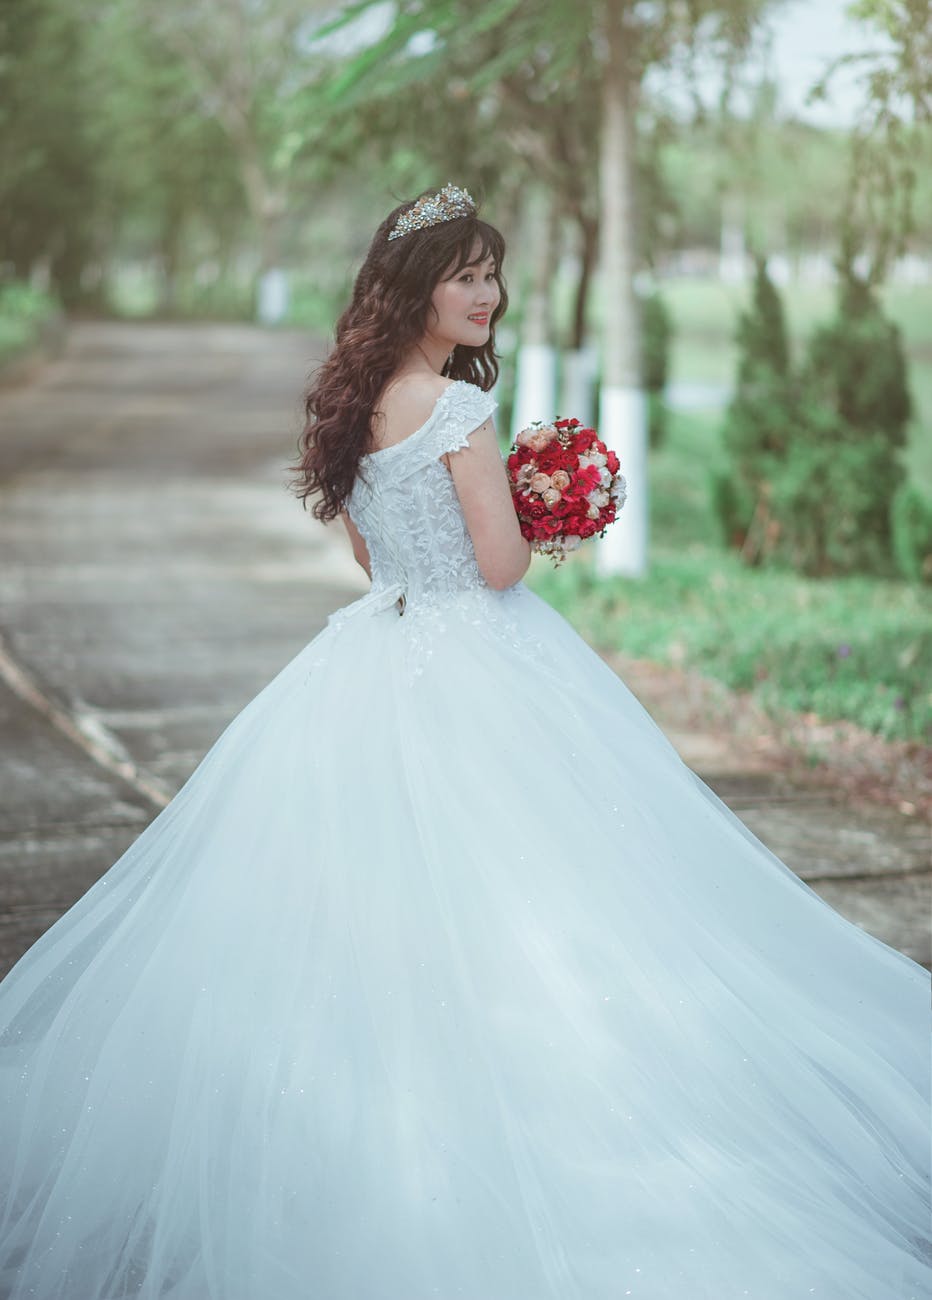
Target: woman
<point>443,976</point>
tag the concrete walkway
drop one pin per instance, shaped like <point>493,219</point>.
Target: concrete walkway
<point>156,575</point>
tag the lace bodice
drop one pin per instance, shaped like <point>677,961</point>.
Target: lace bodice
<point>423,563</point>
<point>405,505</point>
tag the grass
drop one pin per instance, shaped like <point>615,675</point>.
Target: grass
<point>852,648</point>
<point>855,648</point>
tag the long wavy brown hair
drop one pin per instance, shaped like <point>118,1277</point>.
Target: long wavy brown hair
<point>387,316</point>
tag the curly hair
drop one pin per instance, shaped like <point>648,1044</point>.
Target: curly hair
<point>386,317</point>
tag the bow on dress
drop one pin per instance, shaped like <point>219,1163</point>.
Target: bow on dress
<point>372,603</point>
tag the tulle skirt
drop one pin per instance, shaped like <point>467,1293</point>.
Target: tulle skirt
<point>443,977</point>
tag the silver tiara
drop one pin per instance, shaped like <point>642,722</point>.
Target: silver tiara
<point>446,204</point>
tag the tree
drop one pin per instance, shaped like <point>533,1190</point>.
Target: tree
<point>250,62</point>
<point>50,184</point>
<point>170,181</point>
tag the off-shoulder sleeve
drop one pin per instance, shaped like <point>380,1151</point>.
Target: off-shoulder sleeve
<point>462,407</point>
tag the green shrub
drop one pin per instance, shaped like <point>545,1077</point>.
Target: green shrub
<point>855,389</point>
<point>912,534</point>
<point>762,336</point>
<point>759,423</point>
<point>814,454</point>
<point>856,364</point>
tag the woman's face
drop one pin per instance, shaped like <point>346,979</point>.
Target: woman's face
<point>464,305</point>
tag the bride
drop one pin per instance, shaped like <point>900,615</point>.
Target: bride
<point>443,978</point>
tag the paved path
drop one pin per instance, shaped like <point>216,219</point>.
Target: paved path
<point>156,575</point>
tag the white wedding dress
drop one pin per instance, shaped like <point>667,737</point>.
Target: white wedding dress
<point>443,978</point>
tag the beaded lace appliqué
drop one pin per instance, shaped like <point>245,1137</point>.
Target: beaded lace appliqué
<point>405,505</point>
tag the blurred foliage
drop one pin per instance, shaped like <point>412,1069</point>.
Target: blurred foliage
<point>760,423</point>
<point>814,462</point>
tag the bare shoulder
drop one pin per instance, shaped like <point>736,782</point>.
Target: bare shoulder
<point>405,405</point>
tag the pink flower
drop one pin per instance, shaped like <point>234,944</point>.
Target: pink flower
<point>536,438</point>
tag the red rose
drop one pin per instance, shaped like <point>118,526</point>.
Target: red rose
<point>567,460</point>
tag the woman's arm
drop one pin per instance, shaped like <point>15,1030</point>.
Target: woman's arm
<point>481,482</point>
<point>360,549</point>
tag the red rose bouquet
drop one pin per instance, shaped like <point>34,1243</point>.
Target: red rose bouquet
<point>565,485</point>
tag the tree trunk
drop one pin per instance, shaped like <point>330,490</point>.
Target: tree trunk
<point>623,405</point>
<point>588,249</point>
<point>580,360</point>
<point>169,247</point>
<point>536,370</point>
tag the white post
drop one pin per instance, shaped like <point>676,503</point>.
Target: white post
<point>536,361</point>
<point>732,259</point>
<point>273,296</point>
<point>576,391</point>
<point>623,405</point>
<point>535,386</point>
<point>622,425</point>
